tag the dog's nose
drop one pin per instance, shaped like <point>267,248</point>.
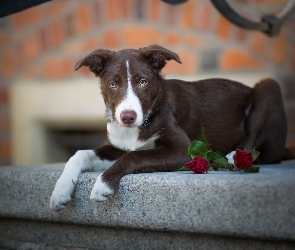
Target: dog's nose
<point>128,117</point>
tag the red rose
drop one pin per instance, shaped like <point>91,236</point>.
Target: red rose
<point>243,159</point>
<point>199,165</point>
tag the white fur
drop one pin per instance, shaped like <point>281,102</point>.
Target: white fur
<point>130,102</point>
<point>127,138</point>
<point>230,157</point>
<point>83,160</point>
<point>100,190</point>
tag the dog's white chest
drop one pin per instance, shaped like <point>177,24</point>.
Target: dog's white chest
<point>127,138</point>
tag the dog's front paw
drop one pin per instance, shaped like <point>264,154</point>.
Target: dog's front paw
<point>100,190</point>
<point>62,194</point>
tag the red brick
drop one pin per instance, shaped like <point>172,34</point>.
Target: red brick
<point>188,66</point>
<point>204,19</point>
<point>223,27</point>
<point>111,9</point>
<point>91,44</point>
<point>125,8</point>
<point>279,49</point>
<point>196,42</point>
<point>233,59</point>
<point>58,68</point>
<point>5,150</point>
<point>154,10</point>
<point>74,48</point>
<point>4,96</point>
<point>7,63</point>
<point>188,14</point>
<point>173,39</point>
<point>56,7</point>
<point>27,17</point>
<point>111,39</point>
<point>258,42</point>
<point>135,36</point>
<point>83,19</point>
<point>31,47</point>
<point>56,32</point>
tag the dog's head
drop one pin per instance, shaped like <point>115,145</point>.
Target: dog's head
<point>129,80</point>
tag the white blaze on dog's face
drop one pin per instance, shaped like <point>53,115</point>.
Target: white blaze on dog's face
<point>129,111</point>
<point>129,87</point>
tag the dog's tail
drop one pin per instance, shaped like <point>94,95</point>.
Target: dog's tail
<point>289,152</point>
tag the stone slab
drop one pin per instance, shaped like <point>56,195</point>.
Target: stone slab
<point>257,206</point>
<point>34,235</point>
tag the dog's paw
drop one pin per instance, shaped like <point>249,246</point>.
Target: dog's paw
<point>62,194</point>
<point>230,157</point>
<point>100,190</point>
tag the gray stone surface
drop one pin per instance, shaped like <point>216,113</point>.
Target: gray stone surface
<point>219,204</point>
<point>25,233</point>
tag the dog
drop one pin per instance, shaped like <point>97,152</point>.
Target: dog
<point>152,121</point>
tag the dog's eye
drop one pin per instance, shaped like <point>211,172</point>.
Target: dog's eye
<point>142,82</point>
<point>113,85</point>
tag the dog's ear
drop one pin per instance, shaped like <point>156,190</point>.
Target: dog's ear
<point>157,56</point>
<point>96,61</point>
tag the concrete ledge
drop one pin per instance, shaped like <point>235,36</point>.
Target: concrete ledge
<point>219,210</point>
<point>48,234</point>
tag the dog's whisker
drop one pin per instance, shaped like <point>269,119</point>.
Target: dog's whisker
<point>146,117</point>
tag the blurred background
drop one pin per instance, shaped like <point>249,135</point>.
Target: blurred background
<point>48,111</point>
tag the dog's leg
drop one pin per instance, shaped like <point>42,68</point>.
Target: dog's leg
<point>169,156</point>
<point>83,160</point>
<point>265,122</point>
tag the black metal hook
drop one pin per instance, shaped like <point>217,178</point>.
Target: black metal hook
<point>270,24</point>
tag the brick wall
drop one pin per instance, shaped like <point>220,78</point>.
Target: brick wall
<point>44,42</point>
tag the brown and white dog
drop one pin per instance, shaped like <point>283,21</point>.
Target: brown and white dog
<point>152,121</point>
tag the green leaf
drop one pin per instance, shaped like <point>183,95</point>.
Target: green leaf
<point>204,139</point>
<point>221,154</point>
<point>183,169</point>
<point>254,154</point>
<point>252,169</point>
<point>197,148</point>
<point>212,156</point>
<point>221,161</point>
